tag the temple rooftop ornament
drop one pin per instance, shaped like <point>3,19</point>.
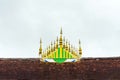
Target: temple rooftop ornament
<point>60,51</point>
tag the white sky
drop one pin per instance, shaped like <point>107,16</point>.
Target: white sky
<point>95,22</point>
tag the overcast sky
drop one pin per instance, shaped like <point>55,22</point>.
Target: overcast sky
<point>95,22</point>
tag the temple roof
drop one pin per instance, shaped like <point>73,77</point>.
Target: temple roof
<point>60,50</point>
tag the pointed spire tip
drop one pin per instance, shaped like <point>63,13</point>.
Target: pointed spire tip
<point>61,31</point>
<point>79,41</point>
<point>40,40</point>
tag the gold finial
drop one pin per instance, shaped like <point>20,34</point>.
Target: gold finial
<point>66,45</point>
<point>57,39</point>
<point>40,40</point>
<point>40,49</point>
<point>64,42</point>
<point>69,46</point>
<point>80,49</point>
<point>57,43</point>
<point>60,39</point>
<point>51,47</point>
<point>61,31</point>
<point>71,49</point>
<point>61,43</point>
<point>51,44</point>
<point>54,46</point>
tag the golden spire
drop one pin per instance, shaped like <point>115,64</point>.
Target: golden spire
<point>64,42</point>
<point>66,45</point>
<point>69,46</point>
<point>60,48</point>
<point>72,49</point>
<point>60,43</point>
<point>40,49</point>
<point>60,40</point>
<point>51,47</point>
<point>57,43</point>
<point>80,49</point>
<point>54,46</point>
<point>45,53</point>
<point>61,31</point>
<point>49,50</point>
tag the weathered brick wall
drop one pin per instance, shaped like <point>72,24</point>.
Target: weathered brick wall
<point>86,69</point>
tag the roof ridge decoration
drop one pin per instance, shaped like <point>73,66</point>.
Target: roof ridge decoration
<point>60,51</point>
